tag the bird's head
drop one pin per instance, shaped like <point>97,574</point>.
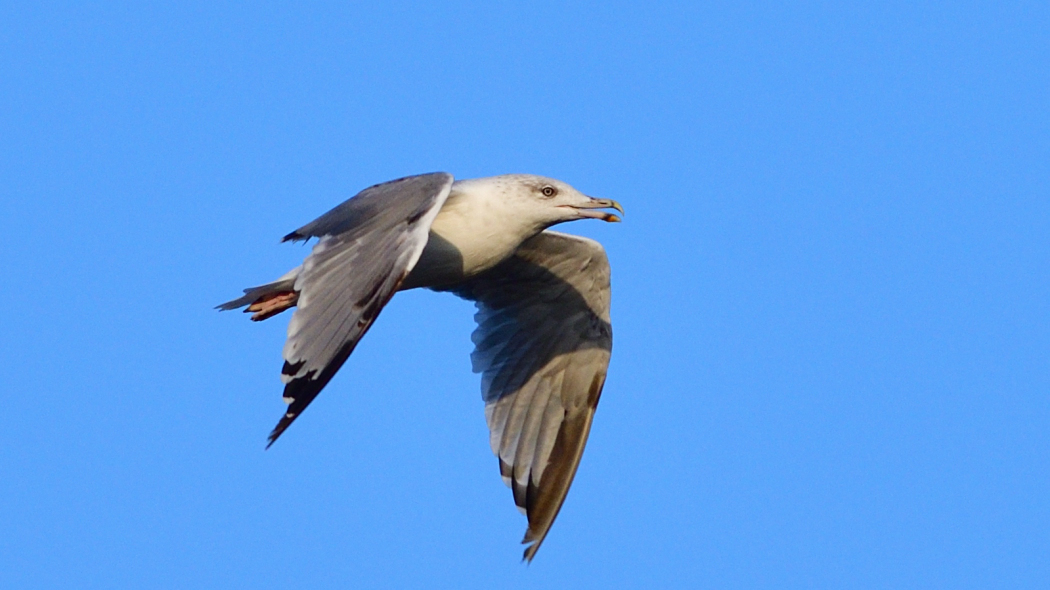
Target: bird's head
<point>544,202</point>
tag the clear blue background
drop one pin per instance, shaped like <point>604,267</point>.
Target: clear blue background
<point>830,293</point>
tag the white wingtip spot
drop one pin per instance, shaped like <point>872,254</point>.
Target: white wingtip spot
<point>522,510</point>
<point>288,400</point>
<point>290,415</point>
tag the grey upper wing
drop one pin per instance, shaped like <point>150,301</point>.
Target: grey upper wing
<point>542,345</point>
<point>367,246</point>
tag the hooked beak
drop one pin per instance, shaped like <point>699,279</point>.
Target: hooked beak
<point>588,209</point>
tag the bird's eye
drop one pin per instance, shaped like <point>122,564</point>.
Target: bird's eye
<point>549,191</point>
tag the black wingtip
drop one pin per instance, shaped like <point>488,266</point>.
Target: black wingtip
<point>282,425</point>
<point>277,431</point>
<point>295,236</point>
<point>530,553</point>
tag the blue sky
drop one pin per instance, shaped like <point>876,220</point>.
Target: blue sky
<point>830,293</point>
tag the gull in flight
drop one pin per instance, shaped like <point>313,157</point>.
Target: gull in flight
<point>543,337</point>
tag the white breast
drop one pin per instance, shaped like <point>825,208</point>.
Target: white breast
<point>476,229</point>
<point>480,222</point>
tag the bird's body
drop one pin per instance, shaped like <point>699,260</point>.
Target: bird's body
<point>543,336</point>
<point>473,232</point>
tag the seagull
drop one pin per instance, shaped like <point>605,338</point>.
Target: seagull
<point>543,337</point>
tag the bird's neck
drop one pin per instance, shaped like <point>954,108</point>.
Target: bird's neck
<point>474,231</point>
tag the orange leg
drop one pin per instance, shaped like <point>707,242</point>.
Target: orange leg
<point>272,304</point>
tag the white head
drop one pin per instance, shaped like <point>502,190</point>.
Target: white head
<point>539,202</point>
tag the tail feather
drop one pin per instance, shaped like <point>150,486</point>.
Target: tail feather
<point>252,295</point>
